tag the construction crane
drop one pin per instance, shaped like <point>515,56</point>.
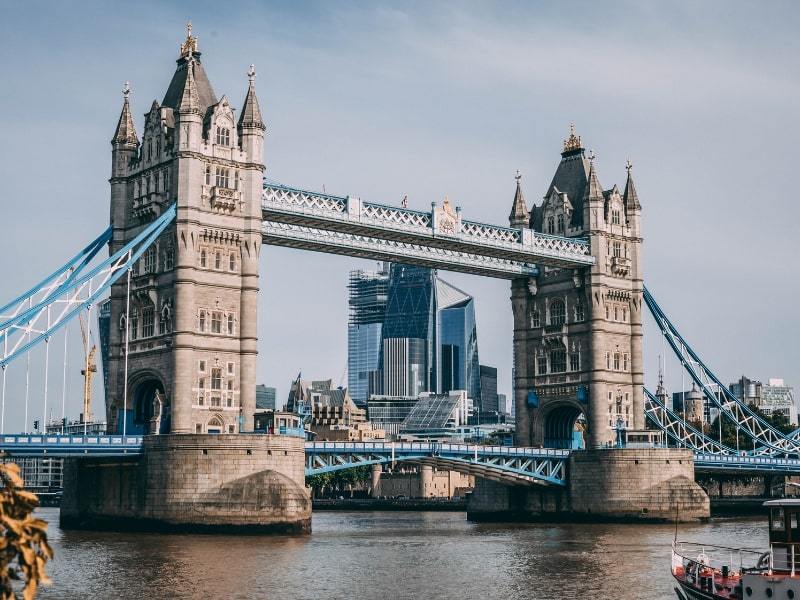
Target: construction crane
<point>88,371</point>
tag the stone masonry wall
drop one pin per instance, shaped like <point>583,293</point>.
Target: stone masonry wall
<point>193,482</point>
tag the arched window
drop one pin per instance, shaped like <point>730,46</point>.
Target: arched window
<point>608,365</point>
<point>560,223</point>
<point>615,217</point>
<point>236,180</point>
<point>223,136</point>
<point>223,177</point>
<point>218,260</point>
<point>232,262</point>
<point>202,321</point>
<point>579,313</point>
<point>558,360</point>
<point>616,361</point>
<point>558,313</point>
<point>202,258</point>
<point>541,365</point>
<point>550,225</point>
<point>625,363</point>
<point>208,174</point>
<point>134,323</point>
<point>158,147</point>
<point>574,361</point>
<point>535,320</point>
<point>230,324</point>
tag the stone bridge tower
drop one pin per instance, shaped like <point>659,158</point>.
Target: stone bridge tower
<point>578,333</point>
<point>193,295</point>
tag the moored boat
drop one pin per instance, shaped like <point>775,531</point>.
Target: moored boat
<point>709,572</point>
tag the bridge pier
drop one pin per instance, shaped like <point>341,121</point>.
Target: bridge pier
<point>653,484</point>
<point>196,483</point>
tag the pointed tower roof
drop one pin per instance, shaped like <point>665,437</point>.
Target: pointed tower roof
<point>205,93</point>
<point>631,197</point>
<point>519,210</point>
<point>126,132</point>
<point>190,101</point>
<point>594,191</point>
<point>571,176</point>
<point>251,112</point>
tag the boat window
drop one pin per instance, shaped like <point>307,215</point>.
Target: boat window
<point>776,520</point>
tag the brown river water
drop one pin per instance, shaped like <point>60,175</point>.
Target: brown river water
<point>385,555</point>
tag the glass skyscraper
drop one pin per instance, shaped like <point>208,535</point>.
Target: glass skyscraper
<point>408,349</point>
<point>368,290</point>
<point>458,366</point>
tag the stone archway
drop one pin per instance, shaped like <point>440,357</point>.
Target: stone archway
<point>559,425</point>
<point>215,425</point>
<point>148,401</point>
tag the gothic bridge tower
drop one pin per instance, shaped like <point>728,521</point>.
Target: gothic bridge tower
<point>192,348</point>
<point>578,332</point>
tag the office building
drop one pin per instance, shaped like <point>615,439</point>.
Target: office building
<point>389,412</point>
<point>367,299</point>
<point>265,397</point>
<point>489,399</point>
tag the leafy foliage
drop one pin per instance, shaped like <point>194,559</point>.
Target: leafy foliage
<point>23,544</point>
<point>339,480</point>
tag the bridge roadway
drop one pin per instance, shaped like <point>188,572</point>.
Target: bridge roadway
<point>439,238</point>
<point>526,466</point>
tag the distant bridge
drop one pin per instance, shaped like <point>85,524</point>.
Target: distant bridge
<point>510,465</point>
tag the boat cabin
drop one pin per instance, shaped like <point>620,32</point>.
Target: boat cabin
<point>784,534</point>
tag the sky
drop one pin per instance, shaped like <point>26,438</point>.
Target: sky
<point>381,100</point>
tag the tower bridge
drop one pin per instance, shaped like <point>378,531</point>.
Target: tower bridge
<point>190,211</point>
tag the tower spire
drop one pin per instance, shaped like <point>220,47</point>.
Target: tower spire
<point>572,145</point>
<point>251,112</point>
<point>630,197</point>
<point>190,101</point>
<point>594,191</point>
<point>519,216</point>
<point>125,133</point>
<point>189,45</point>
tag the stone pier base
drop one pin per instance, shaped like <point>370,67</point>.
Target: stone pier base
<point>195,483</point>
<point>653,484</point>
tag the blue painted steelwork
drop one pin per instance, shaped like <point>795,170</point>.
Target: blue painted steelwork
<point>61,446</point>
<point>502,463</point>
<point>74,267</point>
<point>755,464</point>
<point>736,411</point>
<point>69,294</point>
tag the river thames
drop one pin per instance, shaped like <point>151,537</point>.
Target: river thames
<point>385,555</point>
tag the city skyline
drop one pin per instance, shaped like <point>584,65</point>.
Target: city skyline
<point>660,105</point>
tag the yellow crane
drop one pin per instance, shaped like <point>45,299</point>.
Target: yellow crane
<point>88,371</point>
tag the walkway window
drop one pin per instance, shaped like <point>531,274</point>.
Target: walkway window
<point>558,313</point>
<point>558,361</point>
<point>216,322</point>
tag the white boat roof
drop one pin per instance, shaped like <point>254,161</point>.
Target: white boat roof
<point>783,502</point>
